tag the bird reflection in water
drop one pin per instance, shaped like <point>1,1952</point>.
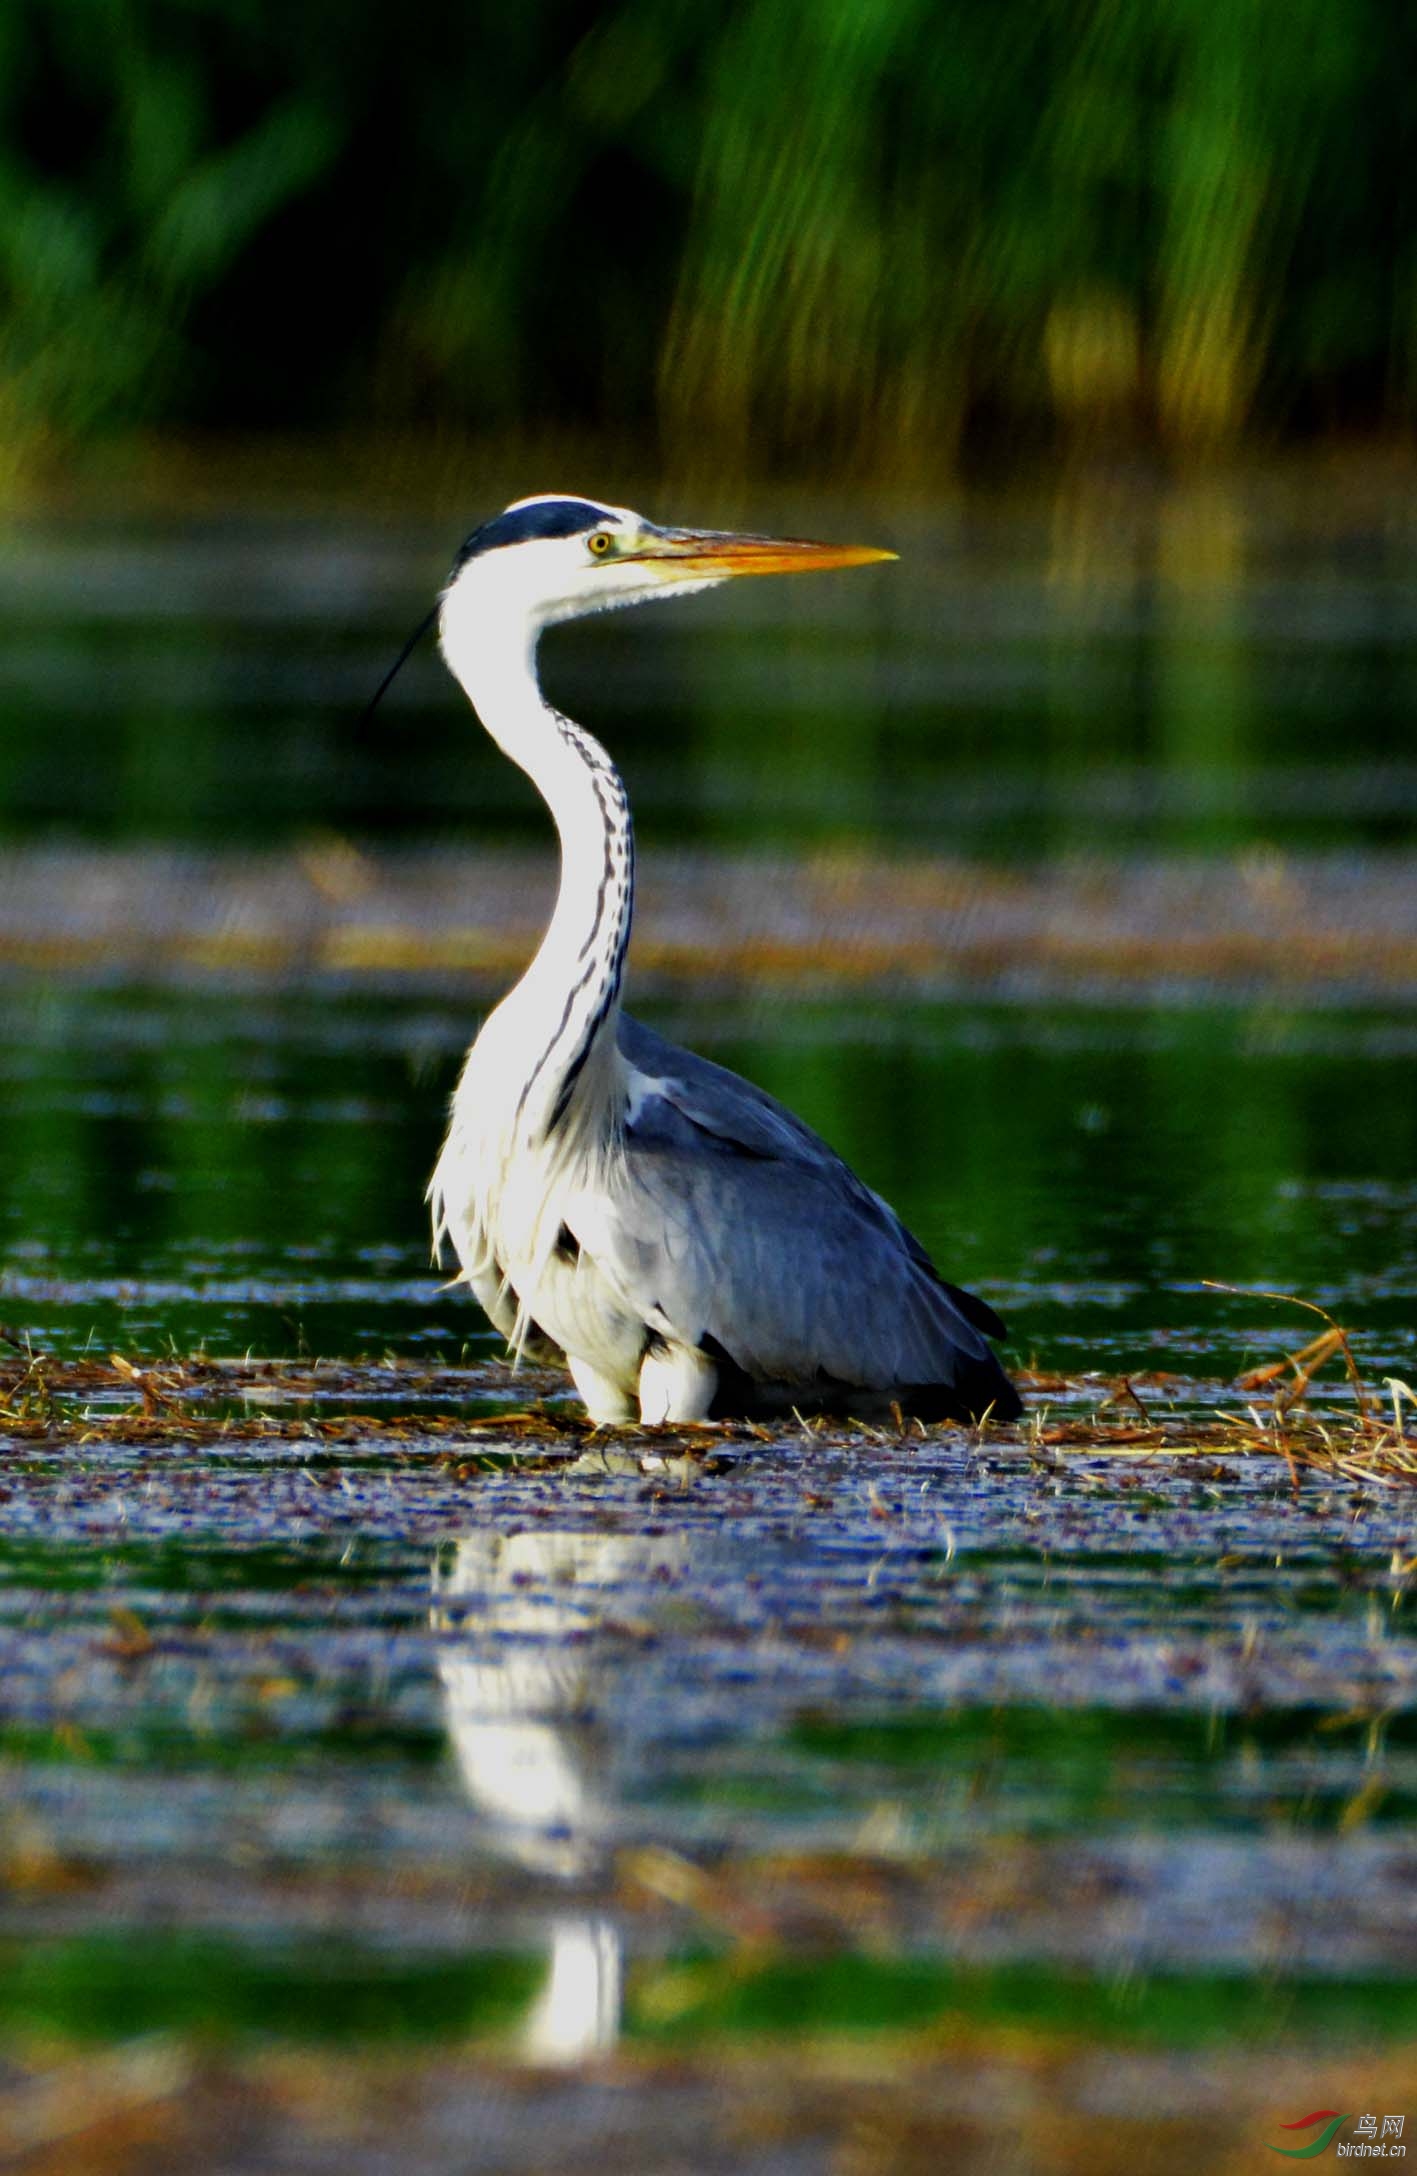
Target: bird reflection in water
<point>525,1683</point>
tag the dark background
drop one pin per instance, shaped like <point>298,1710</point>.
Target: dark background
<point>877,232</point>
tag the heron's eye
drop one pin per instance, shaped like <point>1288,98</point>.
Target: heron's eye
<point>599,544</point>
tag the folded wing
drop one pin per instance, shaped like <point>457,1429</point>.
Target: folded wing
<point>731,1226</point>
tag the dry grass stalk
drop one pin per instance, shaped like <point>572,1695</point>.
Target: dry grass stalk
<point>1367,1439</point>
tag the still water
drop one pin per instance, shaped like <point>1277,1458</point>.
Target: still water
<point>1194,670</point>
<point>237,1173</point>
<point>408,1737</point>
<point>518,1751</point>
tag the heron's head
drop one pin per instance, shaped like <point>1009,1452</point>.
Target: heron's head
<point>548,559</point>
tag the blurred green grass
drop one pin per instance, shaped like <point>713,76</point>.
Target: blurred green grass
<point>860,230</point>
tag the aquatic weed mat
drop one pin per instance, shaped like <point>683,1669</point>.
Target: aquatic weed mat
<point>387,1759</point>
<point>183,1592</point>
<point>960,2095</point>
<point>1274,1411</point>
<point>335,912</point>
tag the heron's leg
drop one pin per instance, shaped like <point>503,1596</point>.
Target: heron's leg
<point>676,1383</point>
<point>604,1398</point>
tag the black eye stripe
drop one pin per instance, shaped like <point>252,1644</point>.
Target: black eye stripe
<point>524,524</point>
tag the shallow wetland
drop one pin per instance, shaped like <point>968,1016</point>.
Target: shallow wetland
<point>394,1772</point>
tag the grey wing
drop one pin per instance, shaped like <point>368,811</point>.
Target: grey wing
<point>734,1225</point>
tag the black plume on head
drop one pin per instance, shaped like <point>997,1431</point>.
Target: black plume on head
<point>517,525</point>
<point>523,524</point>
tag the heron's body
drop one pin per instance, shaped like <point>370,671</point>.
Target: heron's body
<point>691,1247</point>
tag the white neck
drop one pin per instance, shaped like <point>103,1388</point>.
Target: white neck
<point>567,1004</point>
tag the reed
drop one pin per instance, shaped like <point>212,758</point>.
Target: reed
<point>861,230</point>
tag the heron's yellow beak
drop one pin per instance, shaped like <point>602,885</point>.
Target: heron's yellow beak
<point>713,552</point>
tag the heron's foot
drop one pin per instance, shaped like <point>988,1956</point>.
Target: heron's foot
<point>605,1400</point>
<point>676,1384</point>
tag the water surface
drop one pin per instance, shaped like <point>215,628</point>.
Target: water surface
<point>236,1173</point>
<point>467,1740</point>
<point>1192,670</point>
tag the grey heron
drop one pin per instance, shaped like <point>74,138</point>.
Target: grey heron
<point>692,1248</point>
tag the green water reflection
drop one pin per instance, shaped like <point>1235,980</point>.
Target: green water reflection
<point>243,1174</point>
<point>1021,680</point>
<point>98,1988</point>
